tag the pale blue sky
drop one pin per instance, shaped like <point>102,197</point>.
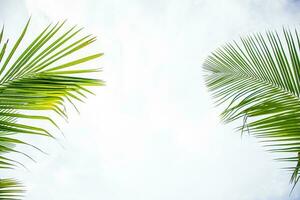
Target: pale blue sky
<point>152,133</point>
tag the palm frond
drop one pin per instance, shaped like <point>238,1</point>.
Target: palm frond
<point>40,78</point>
<point>10,189</point>
<point>258,79</point>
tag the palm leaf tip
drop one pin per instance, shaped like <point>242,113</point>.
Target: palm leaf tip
<point>258,79</point>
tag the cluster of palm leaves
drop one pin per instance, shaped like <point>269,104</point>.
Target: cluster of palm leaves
<point>258,79</point>
<point>34,82</point>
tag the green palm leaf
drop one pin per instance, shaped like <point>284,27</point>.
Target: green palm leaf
<point>10,189</point>
<point>258,80</point>
<point>40,80</point>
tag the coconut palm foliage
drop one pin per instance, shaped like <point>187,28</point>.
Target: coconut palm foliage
<point>35,82</point>
<point>10,189</point>
<point>257,80</point>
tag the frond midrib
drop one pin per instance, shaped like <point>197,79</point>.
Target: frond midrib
<point>256,79</point>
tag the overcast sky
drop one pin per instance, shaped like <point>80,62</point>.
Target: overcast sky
<point>153,133</point>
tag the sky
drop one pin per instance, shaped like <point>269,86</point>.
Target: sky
<point>153,132</point>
